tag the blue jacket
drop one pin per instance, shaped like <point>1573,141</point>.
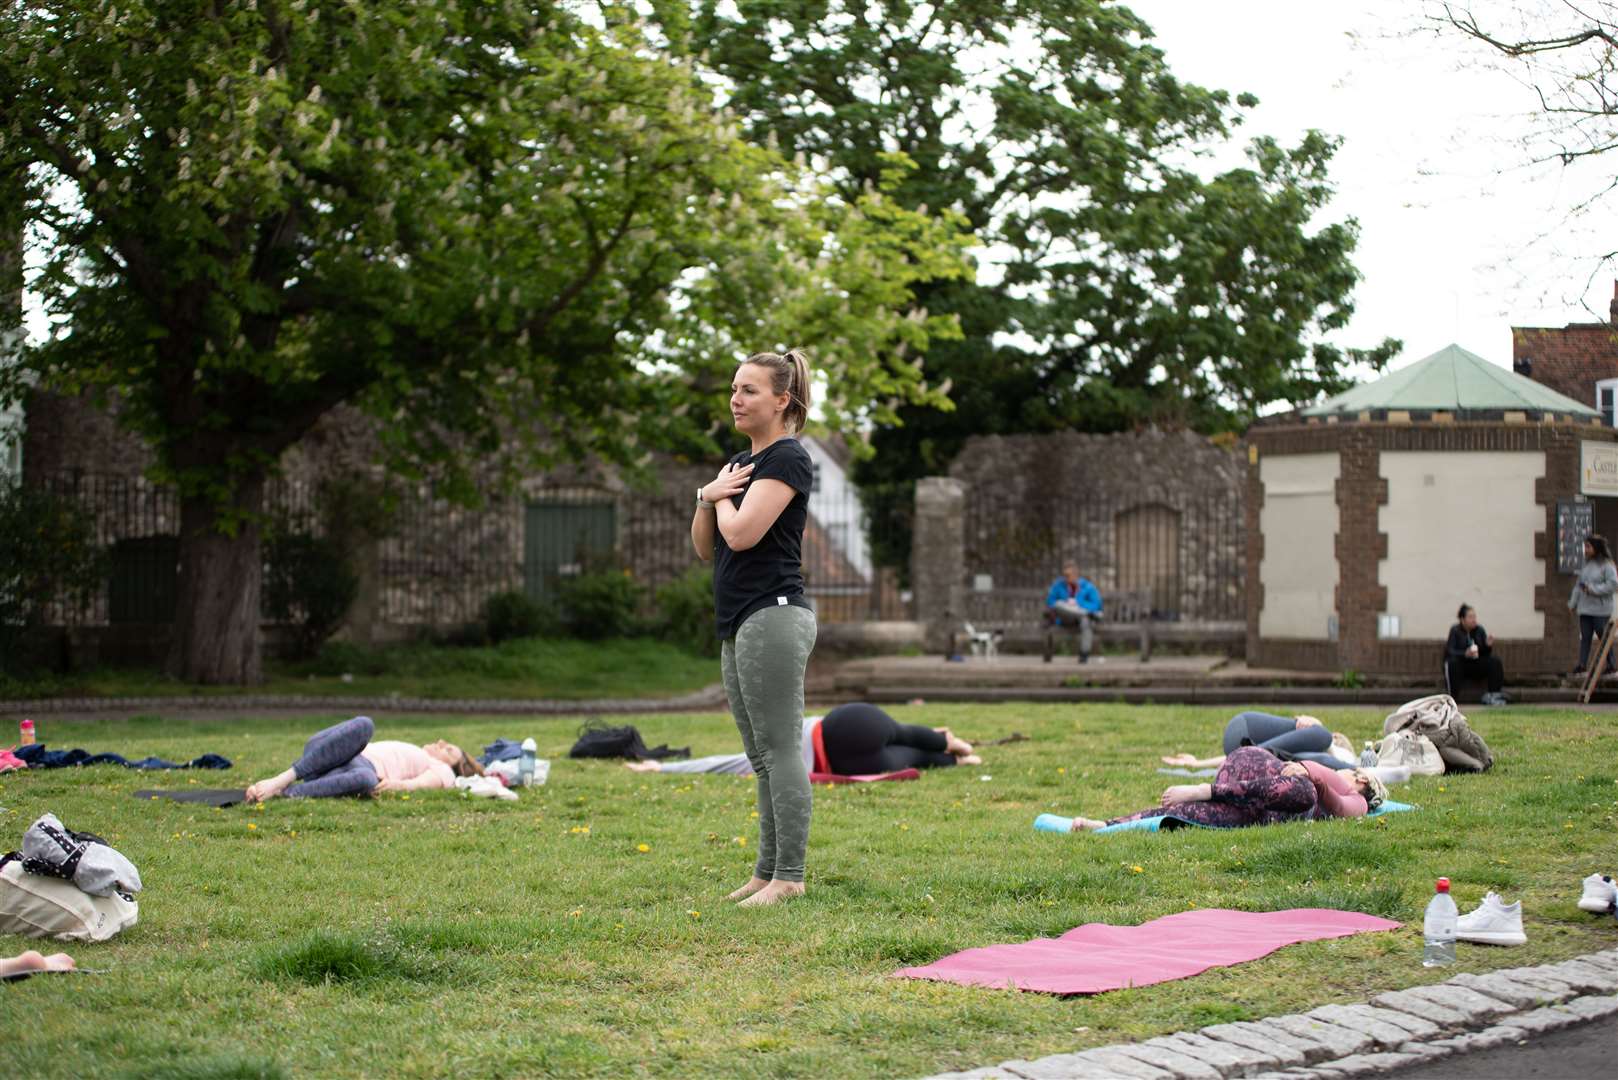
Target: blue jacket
<point>1089,597</point>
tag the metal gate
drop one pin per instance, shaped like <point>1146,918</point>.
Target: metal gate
<point>563,536</point>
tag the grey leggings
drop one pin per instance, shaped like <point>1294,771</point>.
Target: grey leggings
<point>332,763</point>
<point>763,669</point>
<point>1282,733</point>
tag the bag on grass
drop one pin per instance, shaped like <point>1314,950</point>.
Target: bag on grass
<point>1412,751</point>
<point>1441,720</point>
<point>597,740</point>
<point>54,850</point>
<point>32,905</point>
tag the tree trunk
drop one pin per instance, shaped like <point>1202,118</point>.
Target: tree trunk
<point>216,619</point>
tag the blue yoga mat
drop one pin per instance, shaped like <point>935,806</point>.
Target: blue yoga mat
<point>1056,823</point>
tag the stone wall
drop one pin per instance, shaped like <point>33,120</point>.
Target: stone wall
<point>1162,512</point>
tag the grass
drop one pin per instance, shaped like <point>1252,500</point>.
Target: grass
<point>431,935</point>
<point>557,669</point>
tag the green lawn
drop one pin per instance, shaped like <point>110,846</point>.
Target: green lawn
<point>430,935</point>
<point>535,668</point>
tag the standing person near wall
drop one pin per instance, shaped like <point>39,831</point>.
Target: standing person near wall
<point>749,521</point>
<point>1074,600</point>
<point>1591,599</point>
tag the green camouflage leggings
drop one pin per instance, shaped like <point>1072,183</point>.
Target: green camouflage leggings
<point>763,670</point>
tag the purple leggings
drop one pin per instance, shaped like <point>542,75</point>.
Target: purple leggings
<point>332,763</point>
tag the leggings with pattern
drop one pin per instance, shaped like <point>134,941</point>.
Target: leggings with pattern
<point>763,668</point>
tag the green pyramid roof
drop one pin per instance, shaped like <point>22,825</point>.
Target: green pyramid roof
<point>1451,380</point>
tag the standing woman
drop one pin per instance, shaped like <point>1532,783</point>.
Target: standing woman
<point>1592,596</point>
<point>749,521</point>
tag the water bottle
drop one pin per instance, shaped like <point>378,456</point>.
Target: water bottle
<point>525,768</point>
<point>1438,928</point>
<point>25,733</point>
<point>1368,755</point>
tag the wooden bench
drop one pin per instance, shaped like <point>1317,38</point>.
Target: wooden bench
<point>1005,610</point>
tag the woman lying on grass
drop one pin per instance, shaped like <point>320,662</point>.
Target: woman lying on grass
<point>342,760</point>
<point>1254,787</point>
<point>1297,738</point>
<point>857,739</point>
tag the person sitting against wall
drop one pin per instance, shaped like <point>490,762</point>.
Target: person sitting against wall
<point>1254,787</point>
<point>857,739</point>
<point>1591,599</point>
<point>342,760</point>
<point>1074,601</point>
<point>1469,654</point>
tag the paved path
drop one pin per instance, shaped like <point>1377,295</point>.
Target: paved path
<point>1584,1052</point>
<point>1387,1035</point>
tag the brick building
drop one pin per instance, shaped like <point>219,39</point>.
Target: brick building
<point>1579,360</point>
<point>1373,515</point>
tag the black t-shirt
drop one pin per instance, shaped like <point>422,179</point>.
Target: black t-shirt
<point>771,571</point>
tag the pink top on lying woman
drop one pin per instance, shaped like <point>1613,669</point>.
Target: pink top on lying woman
<point>405,761</point>
<point>1336,794</point>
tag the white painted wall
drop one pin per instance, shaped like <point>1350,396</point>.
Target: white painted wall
<point>836,506</point>
<point>1461,526</point>
<point>1299,524</point>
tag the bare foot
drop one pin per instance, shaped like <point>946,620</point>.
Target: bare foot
<point>969,759</point>
<point>33,961</point>
<point>775,892</point>
<point>749,889</point>
<point>1179,759</point>
<point>1183,793</point>
<point>644,766</point>
<point>268,789</point>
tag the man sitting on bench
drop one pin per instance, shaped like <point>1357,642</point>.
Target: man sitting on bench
<point>1074,601</point>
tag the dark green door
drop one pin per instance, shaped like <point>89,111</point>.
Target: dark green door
<point>563,539</point>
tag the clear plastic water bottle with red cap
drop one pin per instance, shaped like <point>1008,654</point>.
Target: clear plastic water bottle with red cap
<point>25,733</point>
<point>1438,928</point>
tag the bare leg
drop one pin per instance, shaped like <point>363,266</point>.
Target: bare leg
<point>33,961</point>
<point>775,892</point>
<point>644,766</point>
<point>749,889</point>
<point>1194,762</point>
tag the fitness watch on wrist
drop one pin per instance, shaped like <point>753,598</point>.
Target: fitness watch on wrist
<point>703,502</point>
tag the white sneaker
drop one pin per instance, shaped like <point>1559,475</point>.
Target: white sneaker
<point>1493,923</point>
<point>1599,894</point>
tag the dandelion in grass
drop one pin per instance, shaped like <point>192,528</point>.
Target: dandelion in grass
<point>1061,770</point>
<point>1137,869</point>
<point>643,848</point>
<point>575,913</point>
<point>694,914</point>
<point>252,825</point>
<point>740,841</point>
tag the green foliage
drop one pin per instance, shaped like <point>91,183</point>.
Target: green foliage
<point>1350,679</point>
<point>515,614</point>
<point>1128,283</point>
<point>48,551</point>
<point>510,233</point>
<point>308,583</point>
<point>685,612</point>
<point>600,603</point>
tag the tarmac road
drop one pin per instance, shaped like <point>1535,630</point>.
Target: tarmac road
<point>1585,1052</point>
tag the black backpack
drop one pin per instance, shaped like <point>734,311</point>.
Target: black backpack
<point>597,740</point>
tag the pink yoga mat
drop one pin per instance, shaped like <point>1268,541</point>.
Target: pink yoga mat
<point>1096,956</point>
<point>864,778</point>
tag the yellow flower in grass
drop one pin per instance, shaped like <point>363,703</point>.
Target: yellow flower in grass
<point>643,848</point>
<point>252,824</point>
<point>1137,869</point>
<point>694,914</point>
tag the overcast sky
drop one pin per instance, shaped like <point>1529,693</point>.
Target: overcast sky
<point>1459,240</point>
